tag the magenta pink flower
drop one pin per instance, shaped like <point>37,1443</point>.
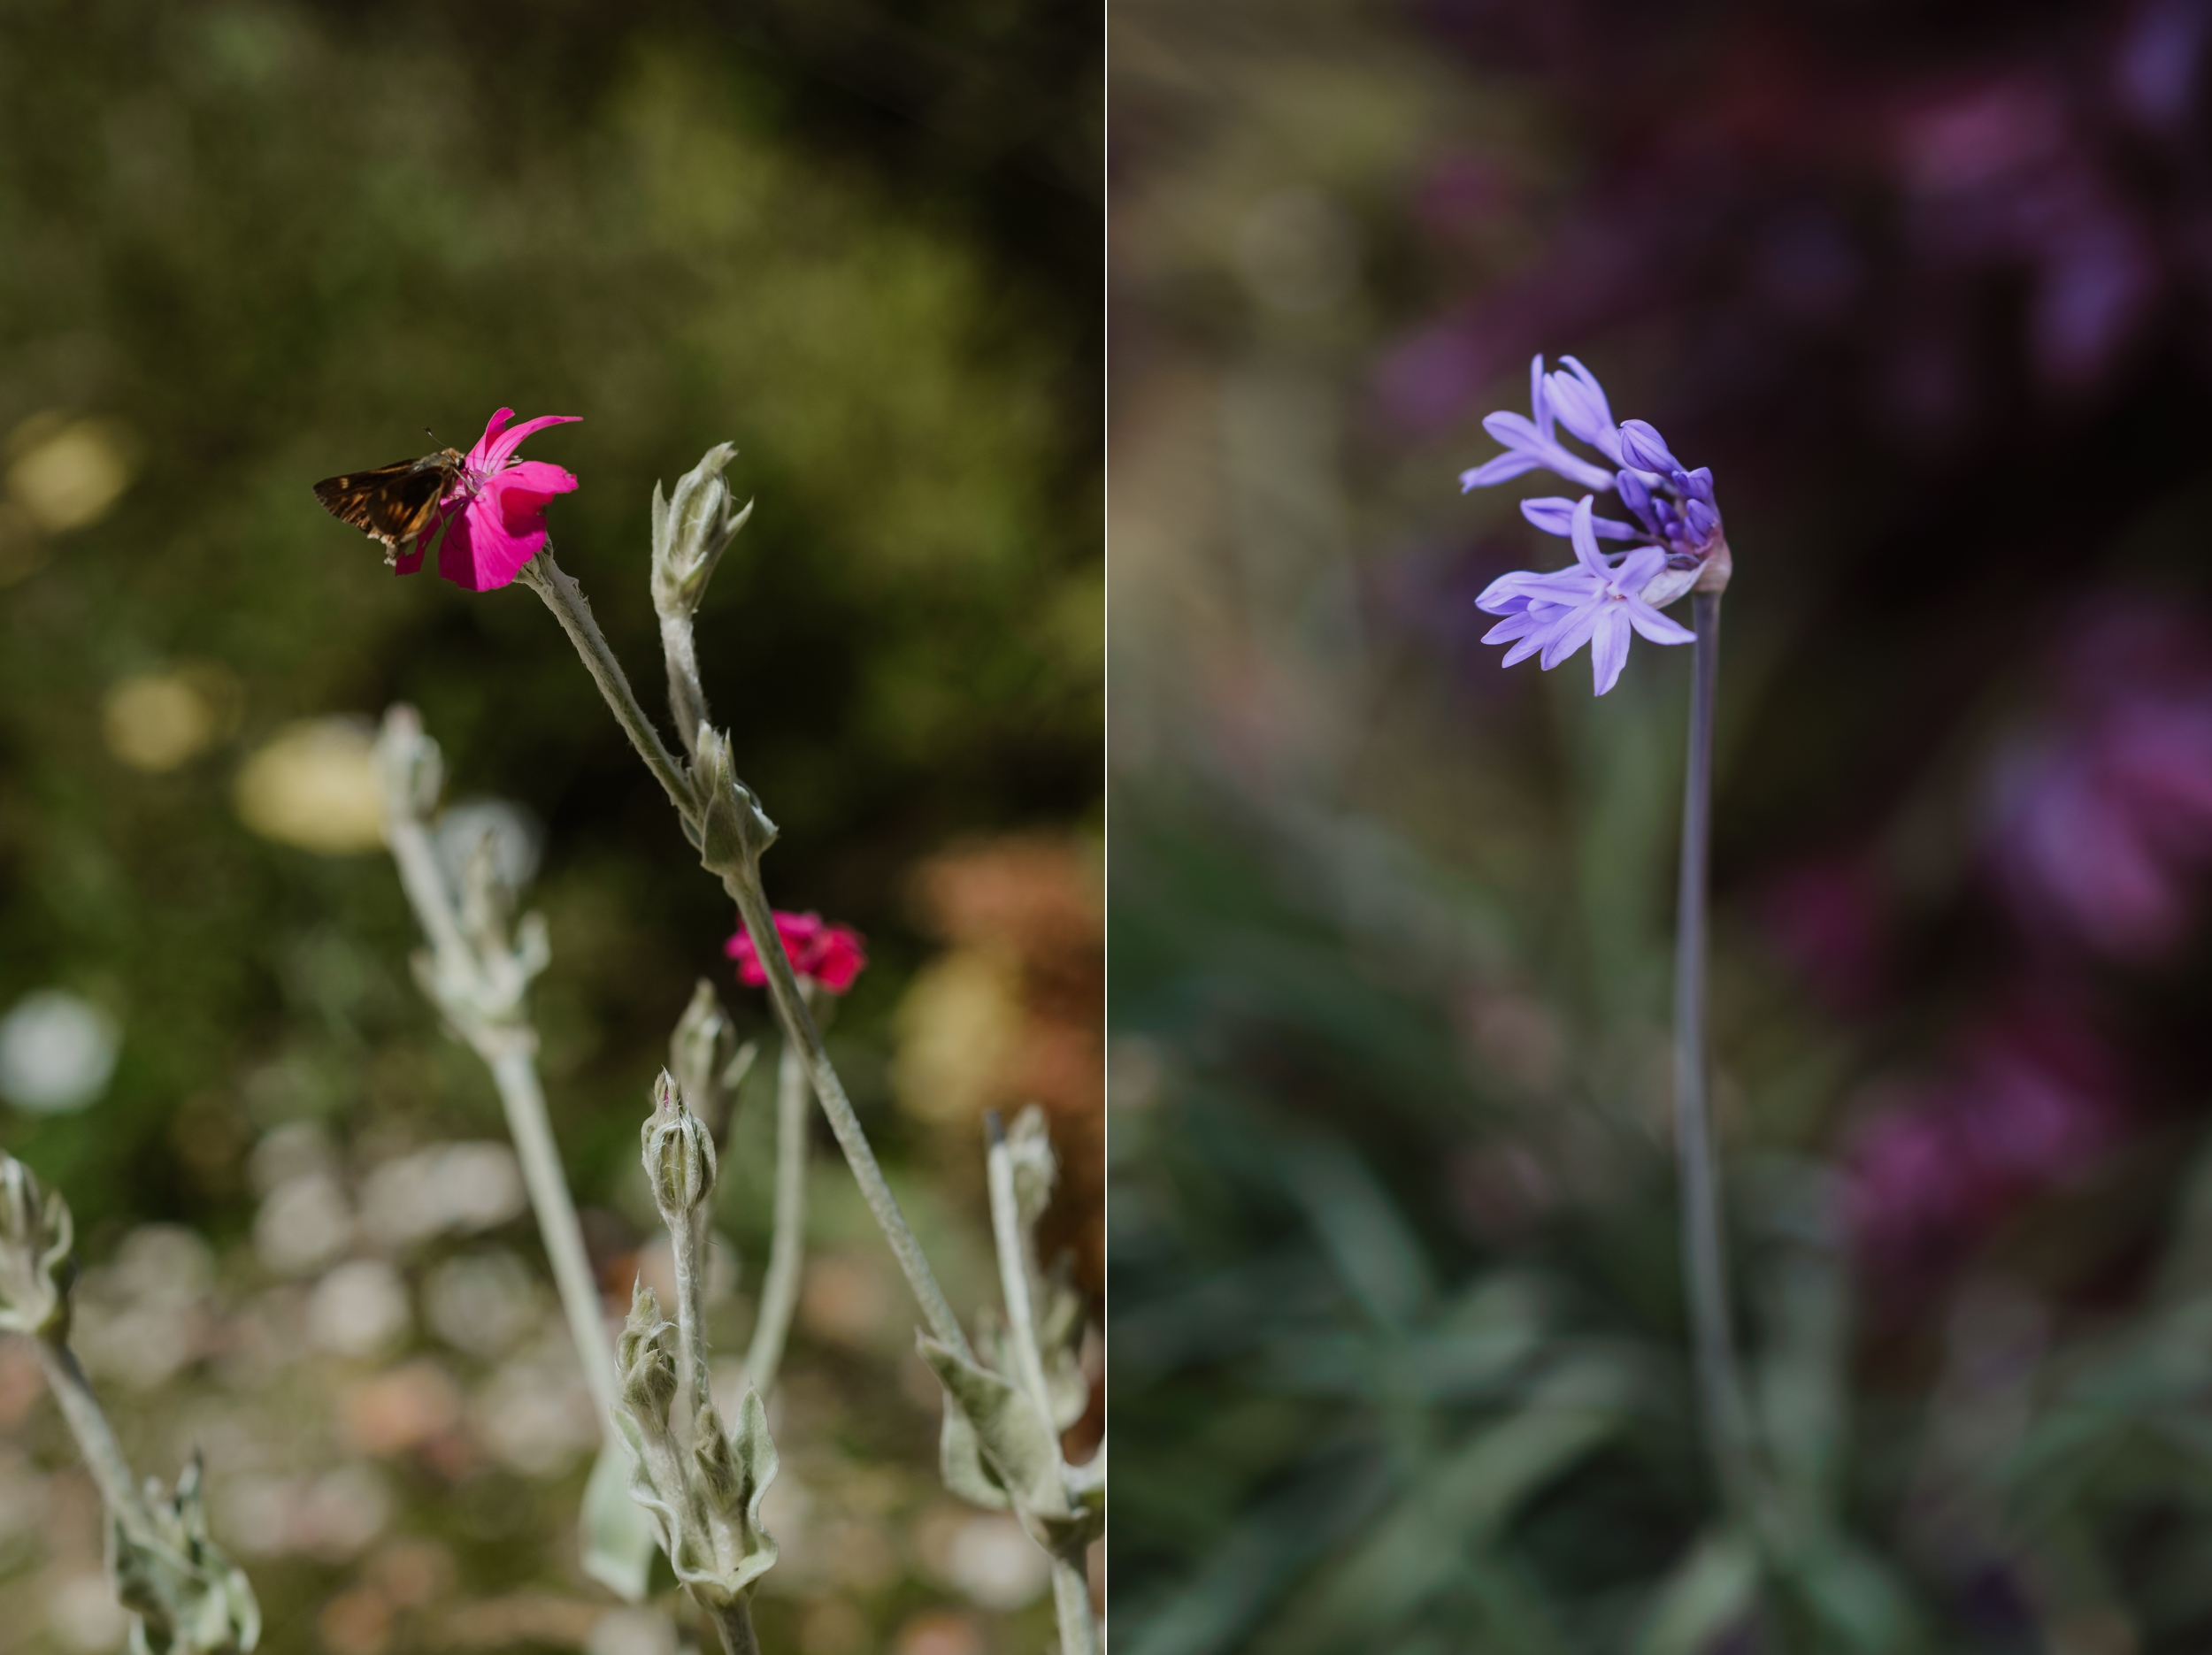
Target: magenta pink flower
<point>491,519</point>
<point>827,955</point>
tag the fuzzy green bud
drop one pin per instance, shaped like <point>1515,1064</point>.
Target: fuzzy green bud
<point>678,1154</point>
<point>691,531</point>
<point>729,826</point>
<point>36,1233</point>
<point>643,1359</point>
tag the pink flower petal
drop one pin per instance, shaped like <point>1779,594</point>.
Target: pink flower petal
<point>481,553</point>
<point>499,448</point>
<point>480,456</point>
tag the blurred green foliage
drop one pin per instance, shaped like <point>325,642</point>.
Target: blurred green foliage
<point>273,243</point>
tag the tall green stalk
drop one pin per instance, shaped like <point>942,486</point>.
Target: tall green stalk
<point>1724,1412</point>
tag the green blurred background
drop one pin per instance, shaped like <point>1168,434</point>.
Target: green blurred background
<point>1398,1344</point>
<point>244,247</point>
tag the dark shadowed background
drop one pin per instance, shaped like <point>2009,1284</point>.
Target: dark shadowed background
<point>1396,1328</point>
<point>245,246</point>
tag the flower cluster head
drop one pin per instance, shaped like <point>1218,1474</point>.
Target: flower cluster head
<point>1604,597</point>
<point>829,956</point>
<point>491,518</point>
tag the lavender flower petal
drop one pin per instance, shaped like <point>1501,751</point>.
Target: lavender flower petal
<point>1608,648</point>
<point>1578,400</point>
<point>1655,626</point>
<point>1504,468</point>
<point>1572,631</point>
<point>1539,405</point>
<point>1555,513</point>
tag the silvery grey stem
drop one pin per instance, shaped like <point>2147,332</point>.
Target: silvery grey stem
<point>1015,1267</point>
<point>1725,1416</point>
<point>734,1622</point>
<point>1072,1605</point>
<point>686,700</point>
<point>693,1385</point>
<point>478,984</point>
<point>515,1073</point>
<point>573,609</point>
<point>1071,1582</point>
<point>779,1288</point>
<point>742,880</point>
<point>95,1439</point>
<point>739,873</point>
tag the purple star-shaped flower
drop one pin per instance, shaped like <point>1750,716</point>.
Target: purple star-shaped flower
<point>1598,601</point>
<point>1672,505</point>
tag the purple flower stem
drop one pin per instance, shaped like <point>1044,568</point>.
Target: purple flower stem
<point>1725,1416</point>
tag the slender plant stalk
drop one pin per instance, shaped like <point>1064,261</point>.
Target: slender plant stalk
<point>741,881</point>
<point>685,705</point>
<point>515,1073</point>
<point>735,1624</point>
<point>685,1245</point>
<point>95,1438</point>
<point>1071,1580</point>
<point>743,884</point>
<point>573,609</point>
<point>1014,1266</point>
<point>510,1051</point>
<point>779,1288</point>
<point>1071,1602</point>
<point>1704,1255</point>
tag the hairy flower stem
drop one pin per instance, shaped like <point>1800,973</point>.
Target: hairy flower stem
<point>734,1622</point>
<point>1015,1267</point>
<point>515,1073</point>
<point>508,1050</point>
<point>779,1288</point>
<point>1071,1580</point>
<point>686,704</point>
<point>573,609</point>
<point>1071,1602</point>
<point>1704,1254</point>
<point>740,878</point>
<point>95,1439</point>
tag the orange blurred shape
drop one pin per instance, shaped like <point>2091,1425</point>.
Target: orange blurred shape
<point>939,1632</point>
<point>21,1383</point>
<point>356,1621</point>
<point>400,1408</point>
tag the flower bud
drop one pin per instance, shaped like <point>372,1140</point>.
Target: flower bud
<point>186,1595</point>
<point>409,764</point>
<point>678,1152</point>
<point>701,1049</point>
<point>1036,1169</point>
<point>731,825</point>
<point>1643,448</point>
<point>35,1268</point>
<point>691,532</point>
<point>646,1365</point>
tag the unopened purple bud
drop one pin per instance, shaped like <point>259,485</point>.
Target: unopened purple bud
<point>1634,492</point>
<point>1698,485</point>
<point>1701,519</point>
<point>1645,448</point>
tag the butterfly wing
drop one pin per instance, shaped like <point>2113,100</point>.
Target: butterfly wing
<point>392,503</point>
